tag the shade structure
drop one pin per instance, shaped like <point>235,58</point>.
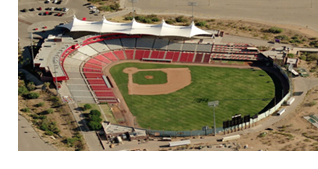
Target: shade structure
<point>134,27</point>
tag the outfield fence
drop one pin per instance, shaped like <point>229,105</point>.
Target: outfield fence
<point>162,133</point>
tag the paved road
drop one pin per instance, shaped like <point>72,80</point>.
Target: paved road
<point>293,12</point>
<point>28,139</point>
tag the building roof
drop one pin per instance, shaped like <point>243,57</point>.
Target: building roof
<point>274,54</point>
<point>134,27</point>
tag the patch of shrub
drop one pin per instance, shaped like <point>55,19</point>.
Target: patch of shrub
<point>128,18</point>
<point>155,19</point>
<point>170,21</point>
<point>33,95</point>
<point>31,86</point>
<point>181,19</point>
<point>40,104</point>
<point>115,6</point>
<point>25,109</point>
<point>290,55</point>
<point>105,8</point>
<point>49,111</point>
<point>275,30</point>
<point>282,37</point>
<point>147,20</point>
<point>23,90</point>
<point>201,24</point>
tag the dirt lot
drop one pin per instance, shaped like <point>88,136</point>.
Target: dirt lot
<point>292,133</point>
<point>64,119</point>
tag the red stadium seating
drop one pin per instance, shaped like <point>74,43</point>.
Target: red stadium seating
<point>93,75</point>
<point>91,70</point>
<point>198,57</point>
<point>206,58</point>
<point>88,65</point>
<point>172,55</point>
<point>96,62</point>
<point>102,58</point>
<point>184,57</point>
<point>190,57</point>
<point>95,81</point>
<point>102,87</point>
<point>157,54</point>
<point>142,54</point>
<point>130,54</point>
<point>120,54</point>
<point>110,56</point>
<point>104,93</point>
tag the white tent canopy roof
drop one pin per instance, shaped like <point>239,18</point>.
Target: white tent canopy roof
<point>133,27</point>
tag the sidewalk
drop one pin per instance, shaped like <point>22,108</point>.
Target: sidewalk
<point>89,136</point>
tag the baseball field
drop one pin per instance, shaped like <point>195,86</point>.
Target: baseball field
<point>239,91</point>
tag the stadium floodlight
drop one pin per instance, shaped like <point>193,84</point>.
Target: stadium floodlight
<point>132,3</point>
<point>214,104</point>
<point>192,4</point>
<point>31,47</point>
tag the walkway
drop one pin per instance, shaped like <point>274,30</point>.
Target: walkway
<point>28,139</point>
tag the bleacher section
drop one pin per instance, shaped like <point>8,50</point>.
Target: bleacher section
<point>157,54</point>
<point>144,43</point>
<point>120,54</point>
<point>128,42</point>
<point>130,54</point>
<point>204,48</point>
<point>173,55</point>
<point>87,50</point>
<point>113,44</point>
<point>96,52</point>
<point>161,44</point>
<point>175,46</point>
<point>99,46</point>
<point>198,58</point>
<point>189,47</point>
<point>142,54</point>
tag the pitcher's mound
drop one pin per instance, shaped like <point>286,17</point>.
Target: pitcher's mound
<point>149,77</point>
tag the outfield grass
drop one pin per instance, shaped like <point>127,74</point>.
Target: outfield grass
<point>240,91</point>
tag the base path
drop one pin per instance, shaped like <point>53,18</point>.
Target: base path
<point>177,78</point>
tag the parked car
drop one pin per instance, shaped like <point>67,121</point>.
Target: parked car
<point>65,9</point>
<point>55,1</point>
<point>47,1</point>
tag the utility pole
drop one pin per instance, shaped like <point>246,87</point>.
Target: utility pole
<point>192,4</point>
<point>31,46</point>
<point>311,4</point>
<point>214,104</point>
<point>132,3</point>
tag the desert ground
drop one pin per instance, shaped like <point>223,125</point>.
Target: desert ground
<point>282,12</point>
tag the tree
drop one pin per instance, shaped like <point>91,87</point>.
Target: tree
<point>40,104</point>
<point>95,112</point>
<point>290,55</point>
<point>94,125</point>
<point>96,118</point>
<point>87,106</point>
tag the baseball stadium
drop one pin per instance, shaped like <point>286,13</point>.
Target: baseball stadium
<point>162,77</point>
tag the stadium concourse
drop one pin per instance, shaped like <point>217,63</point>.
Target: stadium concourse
<point>80,61</point>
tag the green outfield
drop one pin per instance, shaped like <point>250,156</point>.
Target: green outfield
<point>239,91</point>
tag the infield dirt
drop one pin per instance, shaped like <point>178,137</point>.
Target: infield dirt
<point>177,78</point>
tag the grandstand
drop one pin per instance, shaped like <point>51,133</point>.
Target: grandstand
<point>80,62</point>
